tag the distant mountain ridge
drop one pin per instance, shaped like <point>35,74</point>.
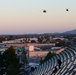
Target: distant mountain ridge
<point>70,32</point>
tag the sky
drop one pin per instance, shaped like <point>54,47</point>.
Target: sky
<point>27,17</point>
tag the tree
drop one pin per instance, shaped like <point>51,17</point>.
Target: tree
<point>33,41</point>
<point>12,65</point>
<point>39,40</point>
<point>24,61</point>
<point>47,57</point>
<point>24,58</point>
<point>13,70</point>
<point>42,39</point>
<point>2,64</point>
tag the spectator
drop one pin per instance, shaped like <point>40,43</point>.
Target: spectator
<point>55,70</point>
<point>59,63</point>
<point>32,69</point>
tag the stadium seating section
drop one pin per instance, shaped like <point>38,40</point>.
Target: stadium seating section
<point>68,65</point>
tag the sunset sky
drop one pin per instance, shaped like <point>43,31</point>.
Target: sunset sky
<point>27,17</point>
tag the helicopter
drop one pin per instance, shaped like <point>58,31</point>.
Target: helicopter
<point>67,9</point>
<point>44,11</point>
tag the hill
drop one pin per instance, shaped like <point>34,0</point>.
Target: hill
<point>70,32</point>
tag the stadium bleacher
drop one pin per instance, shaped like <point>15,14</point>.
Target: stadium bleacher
<point>68,66</point>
